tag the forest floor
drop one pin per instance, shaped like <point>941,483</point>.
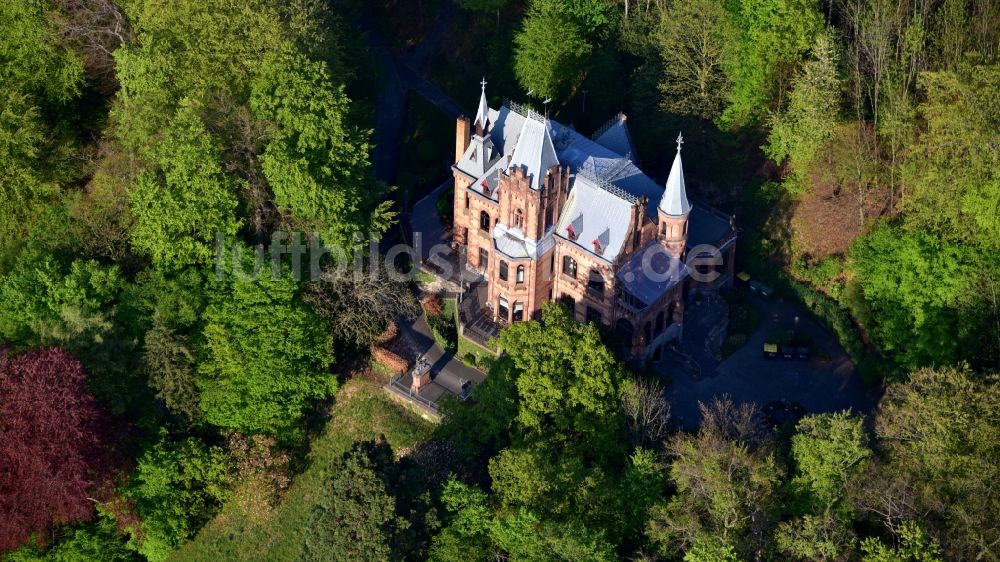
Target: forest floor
<point>361,412</point>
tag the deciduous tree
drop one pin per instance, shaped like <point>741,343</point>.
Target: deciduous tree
<point>940,430</point>
<point>800,131</point>
<point>550,52</point>
<point>51,444</point>
<point>356,517</point>
<point>177,487</point>
<point>265,355</point>
<point>181,209</point>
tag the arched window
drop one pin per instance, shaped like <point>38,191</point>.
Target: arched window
<point>518,218</point>
<point>569,266</point>
<point>659,323</point>
<point>484,220</point>
<point>595,282</point>
<point>520,274</point>
<point>503,270</point>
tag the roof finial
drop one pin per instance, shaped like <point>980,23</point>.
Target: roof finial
<point>483,113</point>
<point>680,141</point>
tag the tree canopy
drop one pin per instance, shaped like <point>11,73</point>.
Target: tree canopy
<point>53,444</point>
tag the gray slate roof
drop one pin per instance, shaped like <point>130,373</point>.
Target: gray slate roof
<point>675,201</point>
<point>614,135</point>
<point>651,272</point>
<point>534,151</point>
<point>595,214</point>
<point>605,182</point>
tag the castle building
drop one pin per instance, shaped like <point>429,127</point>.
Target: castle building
<point>545,213</point>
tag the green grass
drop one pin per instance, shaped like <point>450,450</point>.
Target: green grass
<point>382,369</point>
<point>423,277</point>
<point>361,412</point>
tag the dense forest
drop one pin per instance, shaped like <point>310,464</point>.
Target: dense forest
<point>156,403</point>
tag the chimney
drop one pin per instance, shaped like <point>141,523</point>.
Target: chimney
<point>463,131</point>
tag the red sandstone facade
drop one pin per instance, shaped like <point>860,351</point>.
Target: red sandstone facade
<point>525,230</point>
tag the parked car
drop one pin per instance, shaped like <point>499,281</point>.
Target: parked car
<point>787,351</point>
<point>802,352</point>
<point>770,350</point>
<point>761,289</point>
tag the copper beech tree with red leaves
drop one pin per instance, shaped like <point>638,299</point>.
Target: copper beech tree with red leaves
<point>51,452</point>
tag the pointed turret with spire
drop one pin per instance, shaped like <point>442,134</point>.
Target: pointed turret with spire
<point>482,144</point>
<point>674,208</point>
<point>483,114</point>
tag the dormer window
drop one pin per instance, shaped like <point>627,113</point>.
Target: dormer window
<point>486,187</point>
<point>570,232</point>
<point>598,248</point>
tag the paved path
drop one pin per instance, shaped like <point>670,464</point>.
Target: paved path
<point>446,369</point>
<point>400,78</point>
<point>820,385</point>
<point>424,219</point>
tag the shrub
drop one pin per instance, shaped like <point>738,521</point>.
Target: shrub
<point>394,362</point>
<point>177,487</point>
<point>433,305</point>
<point>390,333</point>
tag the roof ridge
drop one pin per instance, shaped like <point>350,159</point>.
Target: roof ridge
<point>524,110</point>
<point>608,186</point>
<point>617,119</point>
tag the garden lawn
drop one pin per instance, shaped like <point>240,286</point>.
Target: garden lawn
<point>361,412</point>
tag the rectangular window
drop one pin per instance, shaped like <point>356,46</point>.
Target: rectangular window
<point>484,258</point>
<point>569,266</point>
<point>518,311</point>
<point>503,270</point>
<point>569,303</point>
<point>502,311</point>
<point>593,315</point>
<point>466,199</point>
<point>595,282</point>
